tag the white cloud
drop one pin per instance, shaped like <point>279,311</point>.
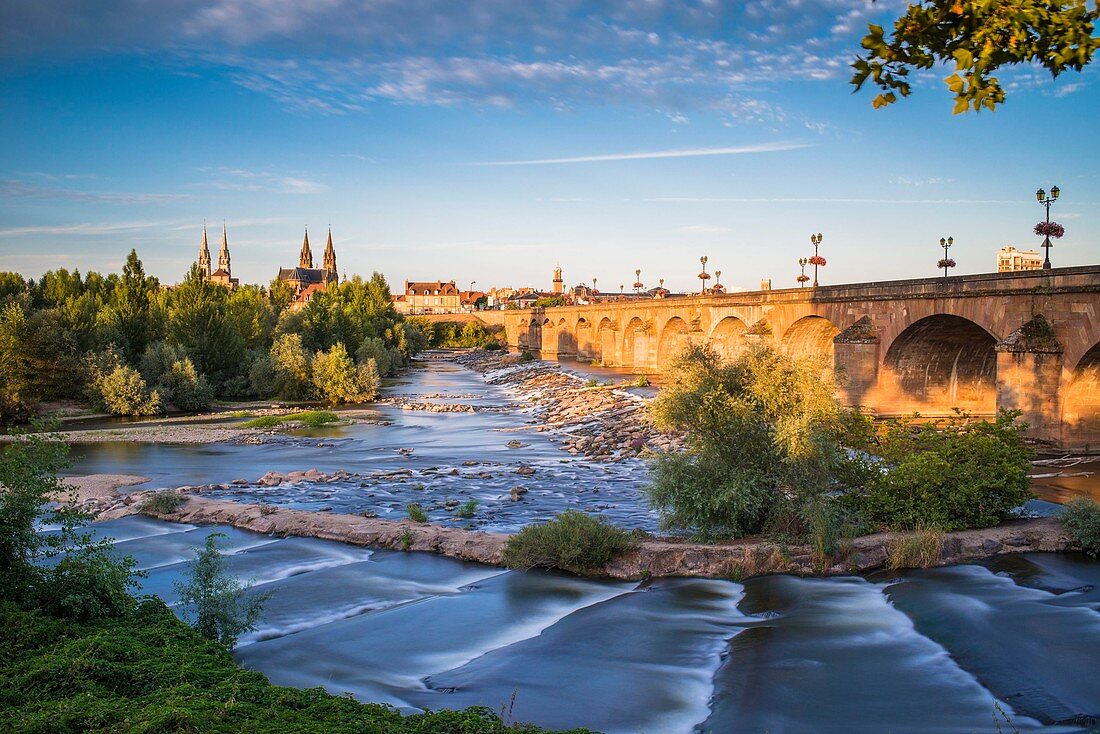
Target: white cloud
<point>15,189</point>
<point>239,179</point>
<point>685,153</point>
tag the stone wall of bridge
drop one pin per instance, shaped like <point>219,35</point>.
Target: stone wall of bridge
<point>1029,341</point>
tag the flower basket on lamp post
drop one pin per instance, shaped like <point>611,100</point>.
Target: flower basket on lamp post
<point>1048,229</point>
<point>945,262</point>
<point>817,261</point>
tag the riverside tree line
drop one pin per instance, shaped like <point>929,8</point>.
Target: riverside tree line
<point>131,346</point>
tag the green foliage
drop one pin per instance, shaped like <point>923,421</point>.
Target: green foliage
<point>951,474</point>
<point>164,502</point>
<point>641,381</point>
<point>119,389</point>
<point>185,387</point>
<point>467,509</point>
<point>264,421</point>
<point>199,320</point>
<point>388,360</point>
<point>572,541</point>
<point>16,397</point>
<point>216,604</point>
<point>158,360</point>
<point>85,583</point>
<point>312,418</point>
<point>551,301</point>
<point>761,431</point>
<point>459,335</point>
<point>338,380</point>
<point>978,37</point>
<point>149,672</point>
<point>526,356</point>
<point>416,512</point>
<point>1081,518</point>
<point>136,321</point>
<point>290,364</point>
<point>919,548</point>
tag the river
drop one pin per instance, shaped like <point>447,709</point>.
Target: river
<point>1010,645</point>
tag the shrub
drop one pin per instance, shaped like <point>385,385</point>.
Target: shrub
<point>1081,517</point>
<point>954,474</point>
<point>572,541</point>
<point>122,392</point>
<point>592,382</point>
<point>185,387</point>
<point>416,512</point>
<point>261,377</point>
<point>158,360</point>
<point>467,509</point>
<point>761,431</point>
<point>164,502</point>
<point>312,418</point>
<point>641,381</point>
<point>388,360</point>
<point>526,356</point>
<point>217,606</point>
<point>919,548</point>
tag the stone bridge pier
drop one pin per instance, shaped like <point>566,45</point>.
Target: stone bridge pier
<point>1028,341</point>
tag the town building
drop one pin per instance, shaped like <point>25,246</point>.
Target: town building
<point>306,281</point>
<point>223,275</point>
<point>1009,260</point>
<point>428,296</point>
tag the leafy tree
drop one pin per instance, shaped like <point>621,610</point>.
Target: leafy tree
<point>338,380</point>
<point>252,315</point>
<point>15,368</point>
<point>158,360</point>
<point>55,287</point>
<point>118,388</point>
<point>52,356</point>
<point>216,604</point>
<point>279,296</point>
<point>135,321</point>
<point>199,321</point>
<point>185,388</point>
<point>11,284</point>
<point>291,366</point>
<point>389,360</point>
<point>978,37</point>
<point>761,431</point>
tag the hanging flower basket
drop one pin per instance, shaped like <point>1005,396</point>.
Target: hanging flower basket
<point>802,278</point>
<point>1049,229</point>
<point>704,276</point>
<point>817,260</point>
<point>639,286</point>
<point>948,263</point>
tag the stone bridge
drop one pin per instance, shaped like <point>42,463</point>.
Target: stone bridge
<point>1026,340</point>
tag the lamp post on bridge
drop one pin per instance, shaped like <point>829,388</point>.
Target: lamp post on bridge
<point>802,278</point>
<point>593,298</point>
<point>946,262</point>
<point>816,260</point>
<point>703,276</point>
<point>638,285</point>
<point>1048,228</point>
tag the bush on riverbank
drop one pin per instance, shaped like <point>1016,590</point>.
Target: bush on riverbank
<point>572,541</point>
<point>1081,518</point>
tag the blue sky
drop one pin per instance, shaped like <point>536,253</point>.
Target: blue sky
<point>491,140</point>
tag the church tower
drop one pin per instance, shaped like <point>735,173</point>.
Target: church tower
<point>204,256</point>
<point>223,254</point>
<point>557,280</point>
<point>305,260</point>
<point>330,257</point>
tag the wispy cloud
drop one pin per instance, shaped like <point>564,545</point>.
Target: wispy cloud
<point>239,179</point>
<point>647,155</point>
<point>16,189</point>
<point>91,228</point>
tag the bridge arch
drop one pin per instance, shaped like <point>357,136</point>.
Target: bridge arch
<point>567,341</point>
<point>728,337</point>
<point>1081,401</point>
<point>604,347</point>
<point>674,340</point>
<point>810,336</point>
<point>636,344</point>
<point>583,332</point>
<point>939,363</point>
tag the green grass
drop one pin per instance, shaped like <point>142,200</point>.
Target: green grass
<point>416,512</point>
<point>149,672</point>
<point>468,509</point>
<point>308,418</point>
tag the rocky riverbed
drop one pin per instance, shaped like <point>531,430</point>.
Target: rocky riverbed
<point>600,422</point>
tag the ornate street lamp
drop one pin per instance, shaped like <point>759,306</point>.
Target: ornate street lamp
<point>802,278</point>
<point>638,281</point>
<point>946,262</point>
<point>817,261</point>
<point>1048,228</point>
<point>661,289</point>
<point>703,276</point>
<point>593,299</point>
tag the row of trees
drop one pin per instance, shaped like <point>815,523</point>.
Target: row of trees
<point>132,346</point>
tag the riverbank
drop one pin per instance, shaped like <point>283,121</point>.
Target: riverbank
<point>654,557</point>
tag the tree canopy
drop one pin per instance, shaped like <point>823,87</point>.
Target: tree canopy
<point>978,37</point>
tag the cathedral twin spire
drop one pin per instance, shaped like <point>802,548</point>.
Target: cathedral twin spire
<point>305,259</point>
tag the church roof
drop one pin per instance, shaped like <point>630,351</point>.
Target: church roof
<point>304,275</point>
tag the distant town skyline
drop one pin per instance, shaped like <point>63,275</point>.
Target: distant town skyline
<point>440,142</point>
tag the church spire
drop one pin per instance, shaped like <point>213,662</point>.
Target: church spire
<point>223,253</point>
<point>204,255</point>
<point>305,260</point>
<point>330,256</point>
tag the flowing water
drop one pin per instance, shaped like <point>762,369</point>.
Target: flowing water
<point>1008,646</point>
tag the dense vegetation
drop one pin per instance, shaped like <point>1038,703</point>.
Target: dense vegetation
<point>458,335</point>
<point>1081,517</point>
<point>770,449</point>
<point>132,346</point>
<point>81,654</point>
<point>572,541</point>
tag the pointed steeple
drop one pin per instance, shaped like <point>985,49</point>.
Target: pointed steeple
<point>330,256</point>
<point>305,260</point>
<point>204,255</point>
<point>223,253</point>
